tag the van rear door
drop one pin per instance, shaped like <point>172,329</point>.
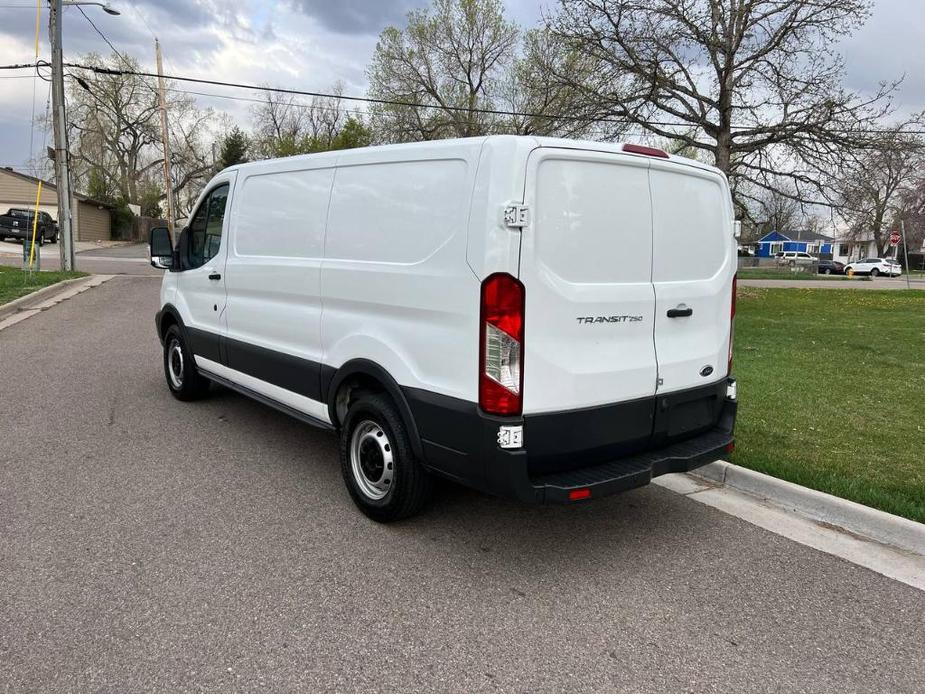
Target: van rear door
<point>586,264</point>
<point>692,270</point>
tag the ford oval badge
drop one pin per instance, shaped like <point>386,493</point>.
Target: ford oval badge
<point>706,370</point>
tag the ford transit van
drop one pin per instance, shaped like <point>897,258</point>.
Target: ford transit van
<point>542,319</point>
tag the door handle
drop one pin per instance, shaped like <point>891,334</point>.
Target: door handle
<point>215,275</point>
<point>680,312</point>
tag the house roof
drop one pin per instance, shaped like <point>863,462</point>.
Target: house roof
<point>51,186</point>
<point>799,235</point>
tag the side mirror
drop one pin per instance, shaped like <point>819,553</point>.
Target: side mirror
<point>161,248</point>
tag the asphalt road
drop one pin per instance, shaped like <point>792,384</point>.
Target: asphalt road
<point>153,545</point>
<point>119,260</point>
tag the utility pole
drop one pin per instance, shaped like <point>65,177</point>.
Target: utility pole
<point>59,124</point>
<point>902,228</point>
<point>162,100</point>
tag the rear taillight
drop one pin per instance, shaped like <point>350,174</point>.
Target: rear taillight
<point>501,345</point>
<point>732,322</point>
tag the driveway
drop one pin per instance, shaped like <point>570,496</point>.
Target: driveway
<point>153,545</point>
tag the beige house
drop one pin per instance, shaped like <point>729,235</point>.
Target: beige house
<point>92,220</point>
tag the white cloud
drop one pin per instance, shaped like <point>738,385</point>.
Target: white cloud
<point>310,44</point>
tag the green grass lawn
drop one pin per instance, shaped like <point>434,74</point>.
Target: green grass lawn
<point>832,392</point>
<point>783,274</point>
<point>15,283</point>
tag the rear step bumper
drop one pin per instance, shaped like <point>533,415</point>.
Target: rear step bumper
<point>460,442</point>
<point>633,471</point>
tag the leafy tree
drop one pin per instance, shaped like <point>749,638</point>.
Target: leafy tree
<point>233,150</point>
<point>474,72</point>
<point>353,134</point>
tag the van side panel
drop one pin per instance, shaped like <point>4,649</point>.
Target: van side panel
<point>273,275</point>
<point>397,288</point>
<point>492,246</point>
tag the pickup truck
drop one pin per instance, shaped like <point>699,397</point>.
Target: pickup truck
<point>17,224</point>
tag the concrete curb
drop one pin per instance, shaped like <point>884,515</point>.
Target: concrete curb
<point>855,518</point>
<point>42,299</point>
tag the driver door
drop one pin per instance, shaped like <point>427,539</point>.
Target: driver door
<point>201,285</point>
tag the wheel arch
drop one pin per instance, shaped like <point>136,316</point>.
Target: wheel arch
<point>364,373</point>
<point>167,316</point>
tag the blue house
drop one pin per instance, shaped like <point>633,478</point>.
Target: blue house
<point>802,241</point>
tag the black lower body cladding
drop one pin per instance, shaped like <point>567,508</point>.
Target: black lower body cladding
<point>598,450</point>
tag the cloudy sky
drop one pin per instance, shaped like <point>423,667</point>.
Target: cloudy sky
<point>310,44</point>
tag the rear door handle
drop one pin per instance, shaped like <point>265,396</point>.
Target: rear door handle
<point>215,275</point>
<point>680,312</point>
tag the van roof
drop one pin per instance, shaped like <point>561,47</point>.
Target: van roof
<point>455,143</point>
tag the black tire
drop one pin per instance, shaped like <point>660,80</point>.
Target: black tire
<point>183,379</point>
<point>827,271</point>
<point>874,272</point>
<point>375,438</point>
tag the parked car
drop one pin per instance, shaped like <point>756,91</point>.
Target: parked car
<point>17,223</point>
<point>831,267</point>
<point>874,267</point>
<point>793,258</point>
<point>460,308</point>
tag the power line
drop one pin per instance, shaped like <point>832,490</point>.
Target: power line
<point>102,35</point>
<point>391,102</point>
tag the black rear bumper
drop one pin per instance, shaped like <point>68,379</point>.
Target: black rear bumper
<point>570,456</point>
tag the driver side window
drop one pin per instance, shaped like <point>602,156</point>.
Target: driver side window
<point>206,228</point>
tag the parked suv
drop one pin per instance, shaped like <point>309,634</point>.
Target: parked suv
<point>462,308</point>
<point>793,258</point>
<point>874,267</point>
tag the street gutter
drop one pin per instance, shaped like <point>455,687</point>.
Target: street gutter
<point>42,299</point>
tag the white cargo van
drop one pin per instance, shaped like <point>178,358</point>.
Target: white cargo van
<point>544,319</point>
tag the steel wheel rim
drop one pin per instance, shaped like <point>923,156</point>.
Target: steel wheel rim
<point>175,363</point>
<point>371,460</point>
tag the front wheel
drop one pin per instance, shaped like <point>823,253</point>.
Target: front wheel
<point>183,379</point>
<point>827,271</point>
<point>382,475</point>
<point>874,272</point>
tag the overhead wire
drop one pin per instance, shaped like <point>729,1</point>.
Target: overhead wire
<point>389,102</point>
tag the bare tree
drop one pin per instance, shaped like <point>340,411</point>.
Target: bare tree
<point>540,104</point>
<point>453,57</point>
<point>876,186</point>
<point>776,211</point>
<point>752,83</point>
<point>116,138</point>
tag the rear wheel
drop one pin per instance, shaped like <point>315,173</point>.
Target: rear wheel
<point>384,478</point>
<point>827,271</point>
<point>874,272</point>
<point>184,381</point>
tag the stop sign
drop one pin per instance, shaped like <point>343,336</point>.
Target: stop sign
<point>894,238</point>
